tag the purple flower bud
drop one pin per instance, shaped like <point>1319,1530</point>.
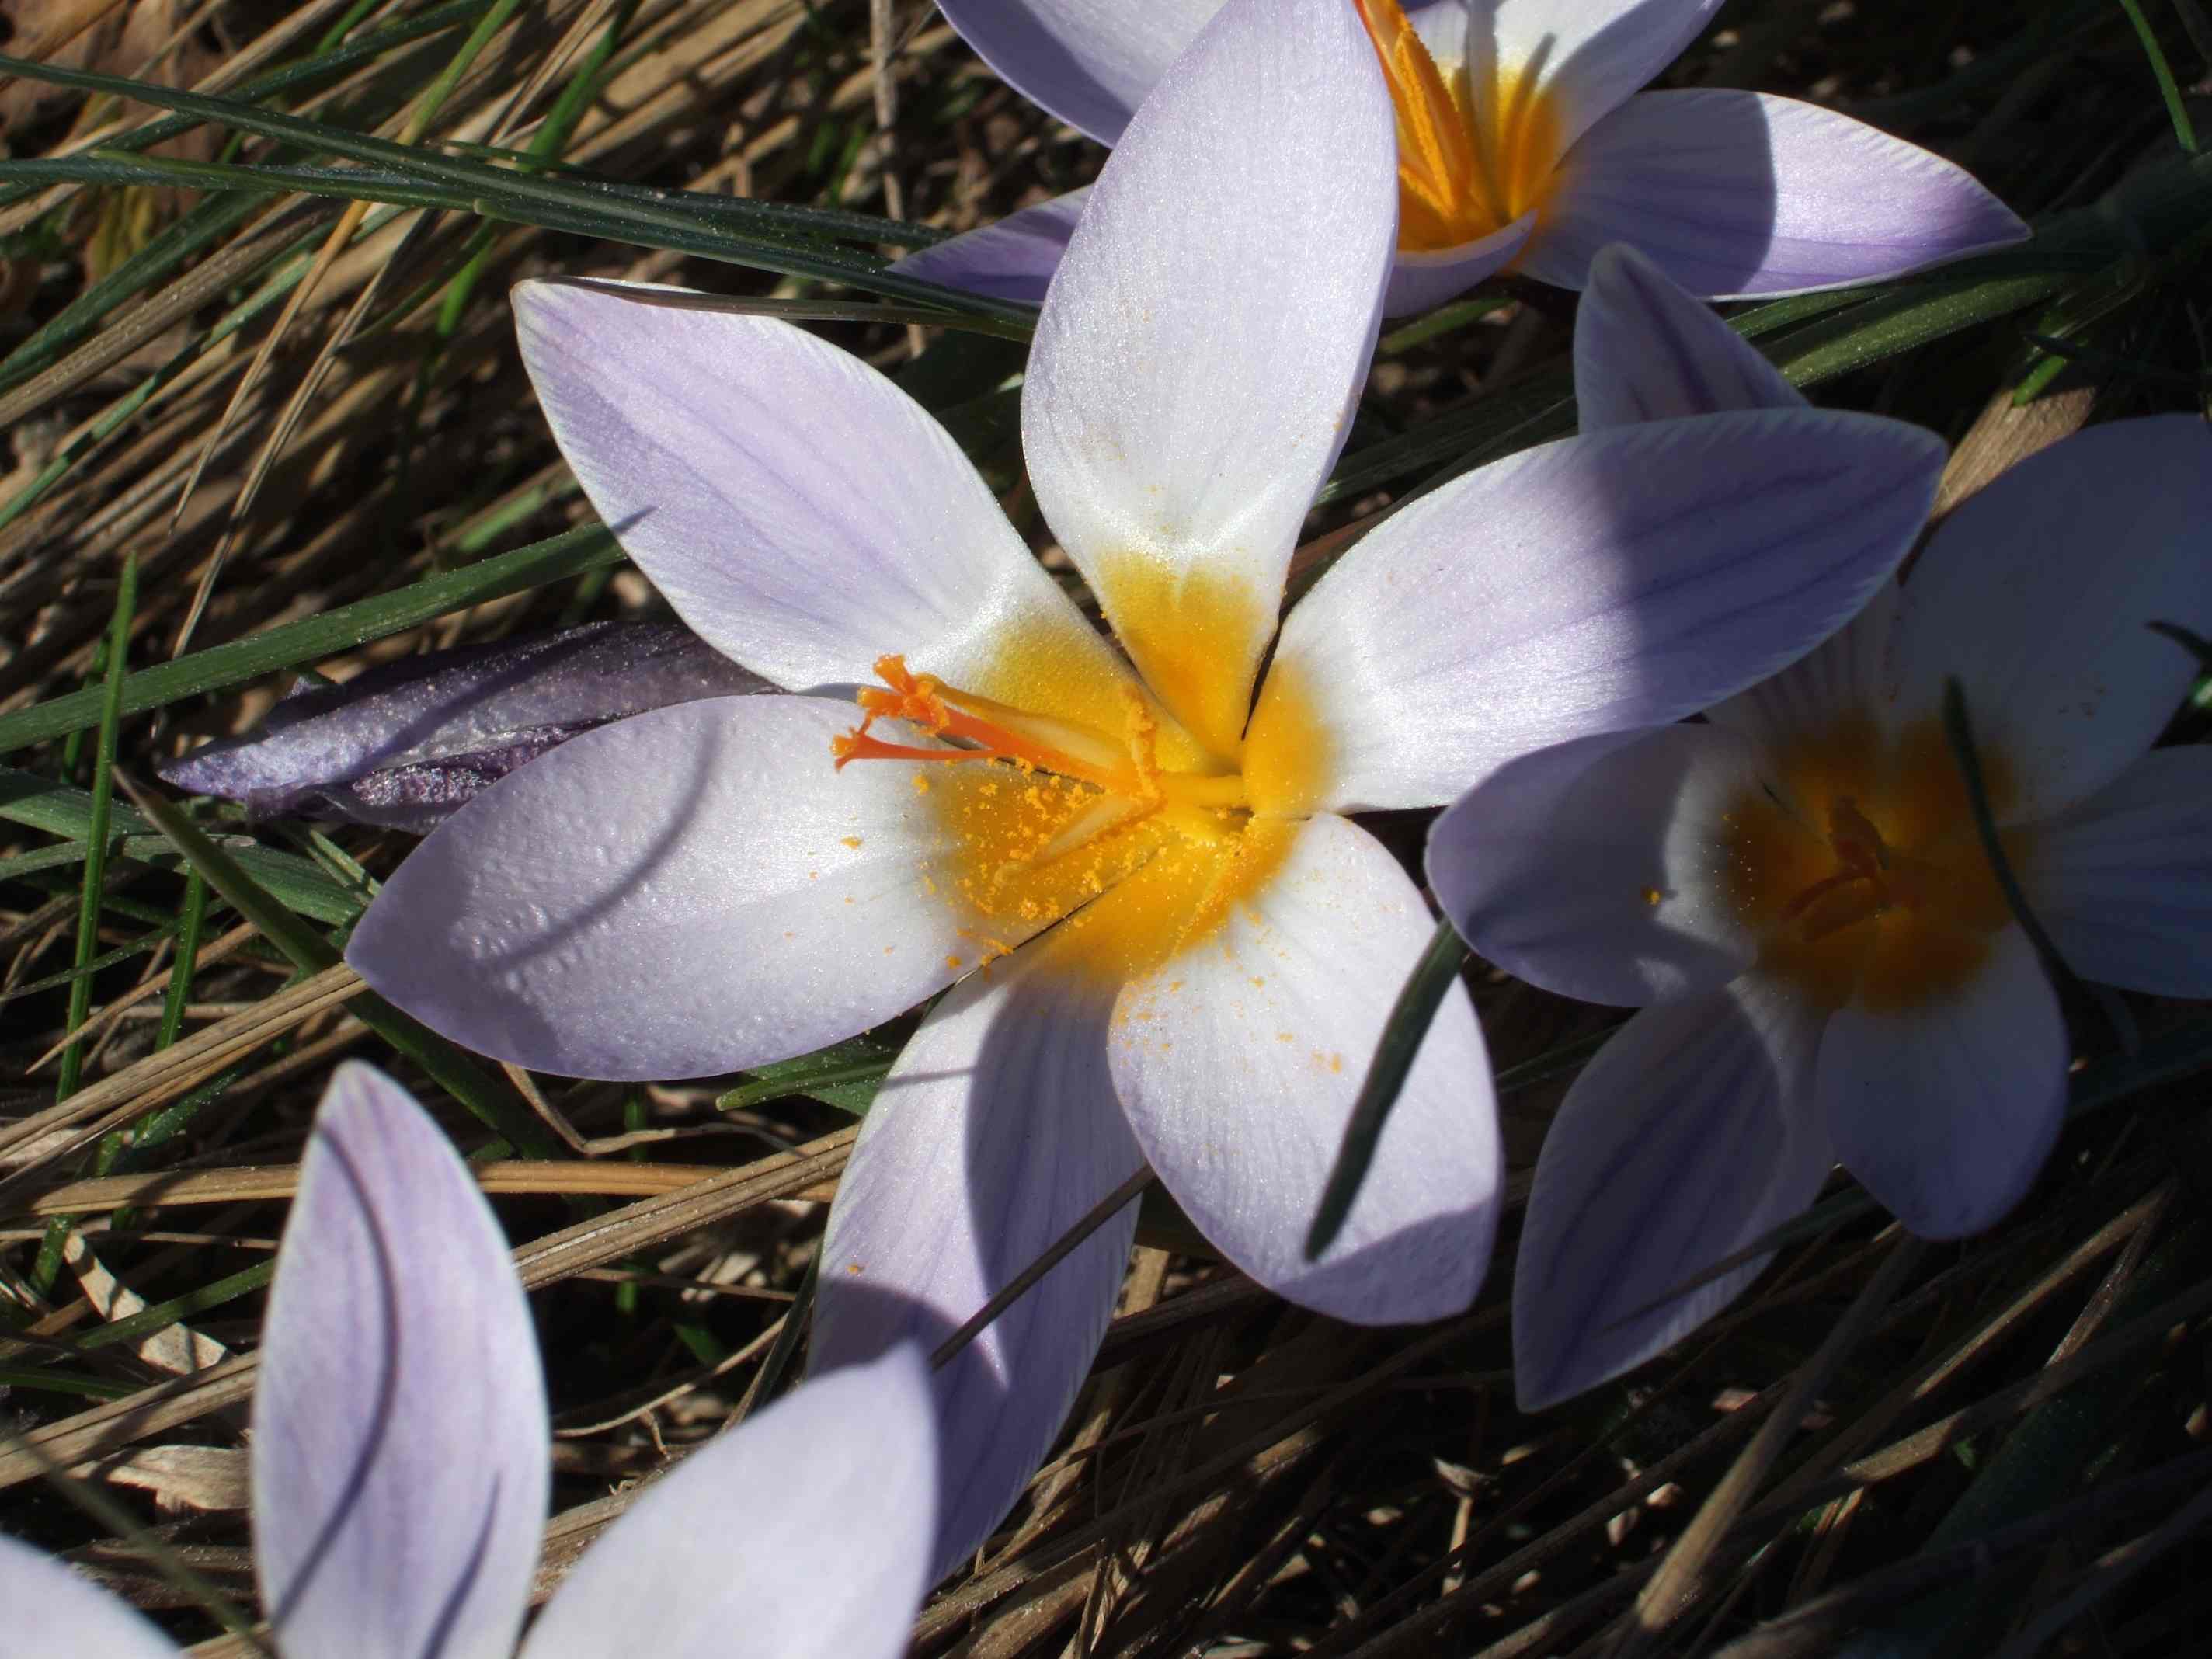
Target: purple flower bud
<point>405,743</point>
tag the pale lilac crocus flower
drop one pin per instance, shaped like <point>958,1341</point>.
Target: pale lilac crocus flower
<point>400,1465</point>
<point>1523,143</point>
<point>1795,892</point>
<point>1191,949</point>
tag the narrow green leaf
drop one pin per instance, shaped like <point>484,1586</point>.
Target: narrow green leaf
<point>162,1315</point>
<point>2177,111</point>
<point>585,548</point>
<point>553,201</point>
<point>844,1075</point>
<point>95,849</point>
<point>70,1382</point>
<point>61,809</point>
<point>454,1072</point>
<point>1436,973</point>
<point>326,64</point>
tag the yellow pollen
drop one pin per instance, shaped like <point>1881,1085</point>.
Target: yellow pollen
<point>1471,158</point>
<point>1861,870</point>
<point>1134,841</point>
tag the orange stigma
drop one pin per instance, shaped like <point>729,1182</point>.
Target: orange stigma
<point>997,730</point>
<point>1471,160</point>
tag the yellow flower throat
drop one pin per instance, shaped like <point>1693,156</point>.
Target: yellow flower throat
<point>1862,872</point>
<point>1471,158</point>
<point>1054,819</point>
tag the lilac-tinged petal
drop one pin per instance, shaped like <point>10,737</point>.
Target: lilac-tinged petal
<point>405,743</point>
<point>693,891</point>
<point>804,1533</point>
<point>995,1132</point>
<point>1946,1112</point>
<point>1586,56</point>
<point>1622,579</point>
<point>1197,359</point>
<point>400,1466</point>
<point>1013,260</point>
<point>2037,592</point>
<point>52,1610</point>
<point>1597,869</point>
<point>1688,1138</point>
<point>1086,62</point>
<point>1853,673</point>
<point>1419,281</point>
<point>801,512</point>
<point>2122,880</point>
<point>1737,194</point>
<point>1238,1062</point>
<point>1645,351</point>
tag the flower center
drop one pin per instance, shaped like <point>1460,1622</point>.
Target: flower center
<point>1471,158</point>
<point>1047,814</point>
<point>1860,868</point>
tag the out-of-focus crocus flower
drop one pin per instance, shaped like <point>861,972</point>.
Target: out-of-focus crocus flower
<point>1192,948</point>
<point>400,1464</point>
<point>1795,892</point>
<point>1523,142</point>
<point>404,744</point>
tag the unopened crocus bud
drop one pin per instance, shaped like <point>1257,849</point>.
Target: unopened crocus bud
<point>404,744</point>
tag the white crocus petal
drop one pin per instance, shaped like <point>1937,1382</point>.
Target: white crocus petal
<point>52,1610</point>
<point>1740,194</point>
<point>2122,880</point>
<point>401,1468</point>
<point>1597,869</point>
<point>1587,56</point>
<point>995,1132</point>
<point>2098,537</point>
<point>1690,1137</point>
<point>1419,281</point>
<point>802,514</point>
<point>1089,64</point>
<point>1853,673</point>
<point>1197,359</point>
<point>1645,351</point>
<point>1621,578</point>
<point>1945,1112</point>
<point>1014,259</point>
<point>684,893</point>
<point>804,1533</point>
<point>1238,1062</point>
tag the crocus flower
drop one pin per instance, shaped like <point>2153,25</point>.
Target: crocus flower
<point>1523,141</point>
<point>1191,949</point>
<point>401,746</point>
<point>1796,896</point>
<point>400,1466</point>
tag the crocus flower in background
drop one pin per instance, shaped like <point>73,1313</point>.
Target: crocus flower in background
<point>1795,892</point>
<point>400,1459</point>
<point>403,745</point>
<point>1192,950</point>
<point>1523,141</point>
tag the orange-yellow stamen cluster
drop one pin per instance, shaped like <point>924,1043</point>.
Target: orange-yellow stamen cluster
<point>1471,160</point>
<point>1861,870</point>
<point>1061,812</point>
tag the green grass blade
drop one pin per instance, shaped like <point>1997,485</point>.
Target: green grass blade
<point>1436,973</point>
<point>454,1072</point>
<point>95,844</point>
<point>588,547</point>
<point>555,203</point>
<point>2177,111</point>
